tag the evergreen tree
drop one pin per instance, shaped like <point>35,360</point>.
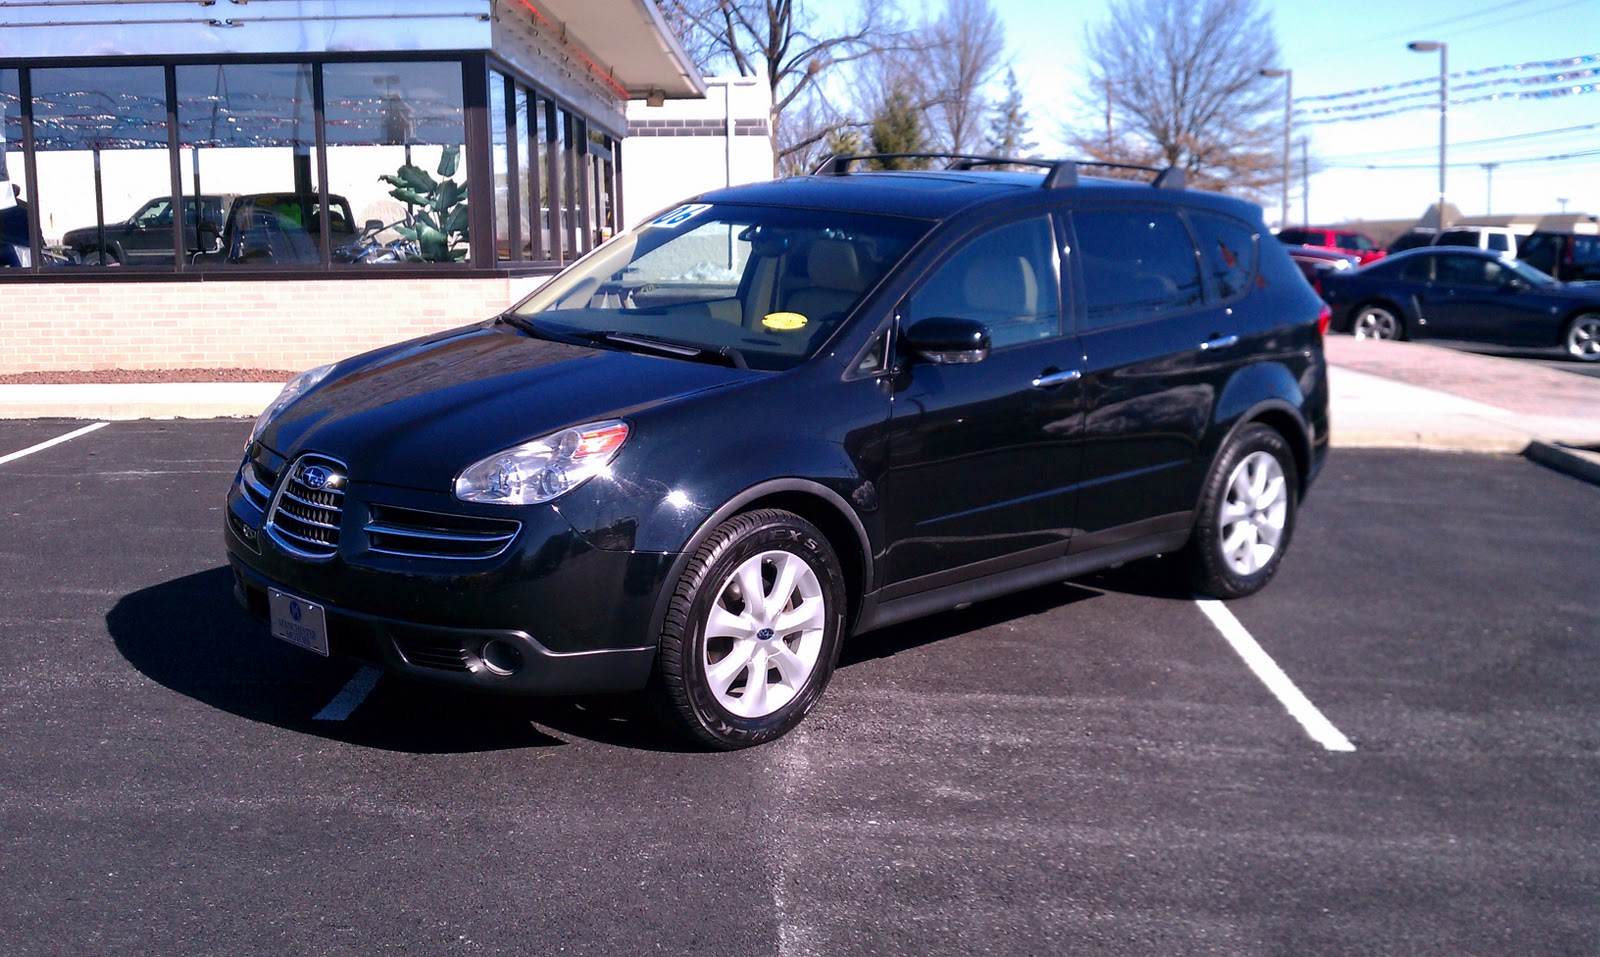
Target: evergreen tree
<point>1009,129</point>
<point>898,128</point>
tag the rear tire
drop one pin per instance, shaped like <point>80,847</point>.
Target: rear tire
<point>1582,340</point>
<point>1376,321</point>
<point>752,633</point>
<point>1247,515</point>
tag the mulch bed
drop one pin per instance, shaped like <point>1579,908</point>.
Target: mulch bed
<point>136,376</point>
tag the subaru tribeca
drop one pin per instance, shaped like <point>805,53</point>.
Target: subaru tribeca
<point>784,413</point>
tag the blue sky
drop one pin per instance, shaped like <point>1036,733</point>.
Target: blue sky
<point>1358,44</point>
<point>1348,45</point>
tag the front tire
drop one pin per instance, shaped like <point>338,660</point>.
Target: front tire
<point>1247,515</point>
<point>1374,321</point>
<point>1582,340</point>
<point>752,633</point>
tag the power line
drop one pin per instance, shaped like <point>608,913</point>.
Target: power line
<point>1558,157</point>
<point>1454,145</point>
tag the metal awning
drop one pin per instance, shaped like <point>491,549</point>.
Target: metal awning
<point>629,41</point>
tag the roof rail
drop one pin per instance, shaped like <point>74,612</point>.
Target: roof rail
<point>1060,173</point>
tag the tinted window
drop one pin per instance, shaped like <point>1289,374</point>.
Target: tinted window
<point>1411,241</point>
<point>1229,250</point>
<point>1539,251</point>
<point>1295,237</point>
<point>1005,277</point>
<point>1457,237</point>
<point>1467,271</point>
<point>1419,269</point>
<point>1499,242</point>
<point>1135,264</point>
<point>1355,241</point>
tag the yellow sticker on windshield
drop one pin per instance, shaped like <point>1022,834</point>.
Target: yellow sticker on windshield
<point>784,321</point>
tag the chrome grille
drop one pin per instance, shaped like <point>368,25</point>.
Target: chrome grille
<point>413,533</point>
<point>304,518</point>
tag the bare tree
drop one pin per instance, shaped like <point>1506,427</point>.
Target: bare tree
<point>775,40</point>
<point>1180,86</point>
<point>966,50</point>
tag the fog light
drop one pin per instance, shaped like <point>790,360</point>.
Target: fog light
<point>501,657</point>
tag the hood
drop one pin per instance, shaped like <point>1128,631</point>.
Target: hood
<point>416,416</point>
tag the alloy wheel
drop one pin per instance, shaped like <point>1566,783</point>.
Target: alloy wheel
<point>1254,514</point>
<point>764,633</point>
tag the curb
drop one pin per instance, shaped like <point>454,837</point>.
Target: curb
<point>1580,463</point>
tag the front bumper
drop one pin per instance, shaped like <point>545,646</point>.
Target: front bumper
<point>551,614</point>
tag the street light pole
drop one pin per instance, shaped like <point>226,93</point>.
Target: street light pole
<point>1288,119</point>
<point>1428,46</point>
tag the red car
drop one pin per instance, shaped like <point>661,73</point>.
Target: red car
<point>1344,240</point>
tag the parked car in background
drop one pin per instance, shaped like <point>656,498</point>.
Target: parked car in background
<point>1412,238</point>
<point>275,228</point>
<point>1569,257</point>
<point>1344,240</point>
<point>1458,293</point>
<point>1497,239</point>
<point>695,461</point>
<point>145,238</point>
<point>1313,261</point>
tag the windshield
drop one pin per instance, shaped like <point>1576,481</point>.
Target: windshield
<point>768,284</point>
<point>1527,273</point>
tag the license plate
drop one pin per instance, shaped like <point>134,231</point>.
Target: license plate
<point>297,621</point>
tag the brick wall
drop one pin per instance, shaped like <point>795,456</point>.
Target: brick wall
<point>288,325</point>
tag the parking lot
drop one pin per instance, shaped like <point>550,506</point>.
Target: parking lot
<point>1087,768</point>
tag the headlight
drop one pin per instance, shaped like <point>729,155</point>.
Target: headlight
<point>296,387</point>
<point>543,469</point>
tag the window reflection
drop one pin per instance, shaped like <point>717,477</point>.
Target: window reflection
<point>500,158</point>
<point>396,135</point>
<point>100,137</point>
<point>15,230</point>
<point>247,136</point>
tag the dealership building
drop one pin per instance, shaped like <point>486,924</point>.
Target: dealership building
<point>275,183</point>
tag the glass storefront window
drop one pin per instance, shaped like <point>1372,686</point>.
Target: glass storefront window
<point>247,140</point>
<point>533,243</point>
<point>500,157</point>
<point>549,179</point>
<point>396,135</point>
<point>15,232</point>
<point>569,189</point>
<point>100,139</point>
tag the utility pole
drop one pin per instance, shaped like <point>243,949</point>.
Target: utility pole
<point>1305,181</point>
<point>1488,199</point>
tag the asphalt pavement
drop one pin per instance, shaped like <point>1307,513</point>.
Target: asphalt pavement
<point>1394,395</point>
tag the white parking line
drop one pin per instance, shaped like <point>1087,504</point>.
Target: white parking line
<point>350,697</point>
<point>1299,706</point>
<point>55,441</point>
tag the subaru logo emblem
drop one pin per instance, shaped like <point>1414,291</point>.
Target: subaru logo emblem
<point>315,476</point>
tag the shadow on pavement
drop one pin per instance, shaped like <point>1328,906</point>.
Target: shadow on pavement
<point>189,635</point>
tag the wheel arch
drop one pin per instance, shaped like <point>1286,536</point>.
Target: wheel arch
<point>817,504</point>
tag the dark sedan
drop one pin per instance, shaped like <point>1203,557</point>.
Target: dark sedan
<point>1460,293</point>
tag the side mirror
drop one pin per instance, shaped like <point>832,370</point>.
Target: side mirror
<point>373,226</point>
<point>944,341</point>
<point>1514,284</point>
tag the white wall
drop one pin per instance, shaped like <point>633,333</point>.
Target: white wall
<point>681,148</point>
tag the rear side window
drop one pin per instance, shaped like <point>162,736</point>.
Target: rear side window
<point>1135,264</point>
<point>1499,242</point>
<point>1228,252</point>
<point>1539,252</point>
<point>1294,237</point>
<point>1457,237</point>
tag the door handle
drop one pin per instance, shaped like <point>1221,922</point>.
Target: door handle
<point>1219,342</point>
<point>1052,379</point>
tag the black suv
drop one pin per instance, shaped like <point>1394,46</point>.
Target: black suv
<point>1569,257</point>
<point>786,412</point>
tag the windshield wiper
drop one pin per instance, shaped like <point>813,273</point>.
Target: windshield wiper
<point>725,355</point>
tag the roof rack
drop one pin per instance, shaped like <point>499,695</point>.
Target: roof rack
<point>1060,174</point>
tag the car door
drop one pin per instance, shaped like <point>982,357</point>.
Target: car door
<point>1156,355</point>
<point>982,456</point>
<point>1470,298</point>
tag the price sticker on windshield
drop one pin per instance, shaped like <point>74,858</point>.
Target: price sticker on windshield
<point>680,215</point>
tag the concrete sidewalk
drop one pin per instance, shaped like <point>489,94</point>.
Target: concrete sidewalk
<point>1384,395</point>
